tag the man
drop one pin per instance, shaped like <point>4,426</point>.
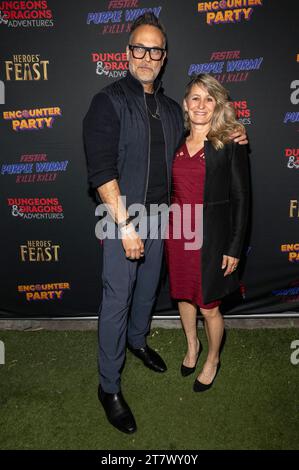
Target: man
<point>131,133</point>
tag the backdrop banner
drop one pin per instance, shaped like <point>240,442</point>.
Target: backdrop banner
<point>55,56</point>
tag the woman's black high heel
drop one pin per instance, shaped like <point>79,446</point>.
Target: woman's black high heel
<point>200,387</point>
<point>185,371</point>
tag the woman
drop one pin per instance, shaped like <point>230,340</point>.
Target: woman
<point>209,171</point>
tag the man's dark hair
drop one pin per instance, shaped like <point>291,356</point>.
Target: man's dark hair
<point>150,19</point>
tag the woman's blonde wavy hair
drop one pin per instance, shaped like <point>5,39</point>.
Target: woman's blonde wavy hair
<point>224,120</point>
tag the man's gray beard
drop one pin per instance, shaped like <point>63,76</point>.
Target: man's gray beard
<point>145,82</point>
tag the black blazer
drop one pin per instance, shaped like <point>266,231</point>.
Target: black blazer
<point>225,214</point>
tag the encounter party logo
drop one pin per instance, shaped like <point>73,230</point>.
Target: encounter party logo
<point>228,11</point>
<point>228,66</point>
<point>26,14</point>
<point>32,119</point>
<point>110,64</point>
<point>44,292</point>
<point>292,250</point>
<point>119,15</point>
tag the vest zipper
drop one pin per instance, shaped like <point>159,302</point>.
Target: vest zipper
<point>149,152</point>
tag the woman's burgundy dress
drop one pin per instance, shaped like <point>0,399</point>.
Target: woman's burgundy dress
<point>184,266</point>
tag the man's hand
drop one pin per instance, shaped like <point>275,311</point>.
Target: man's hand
<point>132,243</point>
<point>111,197</point>
<point>230,264</point>
<point>239,138</point>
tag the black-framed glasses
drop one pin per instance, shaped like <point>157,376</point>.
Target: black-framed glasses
<point>138,52</point>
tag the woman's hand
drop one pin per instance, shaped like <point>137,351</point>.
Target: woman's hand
<point>239,138</point>
<point>230,263</point>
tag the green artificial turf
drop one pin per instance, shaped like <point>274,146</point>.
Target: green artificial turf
<point>48,394</point>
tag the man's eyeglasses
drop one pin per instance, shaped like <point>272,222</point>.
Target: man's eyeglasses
<point>138,52</point>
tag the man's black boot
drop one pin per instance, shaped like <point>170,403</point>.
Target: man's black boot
<point>117,411</point>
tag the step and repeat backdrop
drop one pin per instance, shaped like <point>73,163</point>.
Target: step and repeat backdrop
<point>55,55</point>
